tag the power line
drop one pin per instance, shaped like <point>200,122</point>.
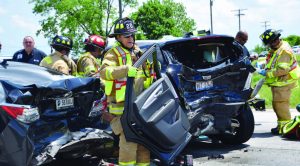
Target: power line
<point>266,24</point>
<point>239,16</point>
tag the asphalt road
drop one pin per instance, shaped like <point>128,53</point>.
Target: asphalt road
<point>262,149</point>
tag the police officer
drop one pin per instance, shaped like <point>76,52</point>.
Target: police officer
<point>88,63</point>
<point>282,73</point>
<point>59,60</point>
<point>29,54</point>
<point>116,66</point>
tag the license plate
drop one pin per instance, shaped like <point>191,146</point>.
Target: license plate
<point>204,85</point>
<point>64,103</point>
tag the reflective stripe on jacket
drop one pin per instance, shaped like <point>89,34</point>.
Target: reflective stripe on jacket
<point>149,74</point>
<point>88,65</point>
<point>60,62</point>
<point>282,67</point>
<point>117,85</point>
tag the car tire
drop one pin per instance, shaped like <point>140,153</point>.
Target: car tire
<point>244,132</point>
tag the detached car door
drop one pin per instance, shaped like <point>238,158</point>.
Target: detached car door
<point>154,118</point>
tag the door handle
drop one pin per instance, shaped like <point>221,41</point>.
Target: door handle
<point>158,93</point>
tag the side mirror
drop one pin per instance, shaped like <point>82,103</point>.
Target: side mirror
<point>298,107</point>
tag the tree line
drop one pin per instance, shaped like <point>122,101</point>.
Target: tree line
<point>79,18</point>
<point>293,40</point>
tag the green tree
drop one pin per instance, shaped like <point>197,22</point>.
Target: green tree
<point>293,40</point>
<point>156,18</point>
<point>76,18</point>
<point>259,48</point>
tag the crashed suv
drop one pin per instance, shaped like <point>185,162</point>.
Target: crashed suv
<point>212,77</point>
<point>203,88</point>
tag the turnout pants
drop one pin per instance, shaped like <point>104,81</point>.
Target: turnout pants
<point>130,153</point>
<point>281,102</point>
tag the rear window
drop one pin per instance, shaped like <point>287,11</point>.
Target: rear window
<point>27,74</point>
<point>200,55</point>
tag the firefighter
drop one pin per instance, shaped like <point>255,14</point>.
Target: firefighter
<point>88,64</point>
<point>59,60</point>
<point>116,66</point>
<point>282,72</point>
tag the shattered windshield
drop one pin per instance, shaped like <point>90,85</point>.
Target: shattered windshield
<point>199,55</point>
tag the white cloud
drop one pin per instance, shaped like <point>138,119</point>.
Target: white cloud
<point>2,11</point>
<point>24,23</point>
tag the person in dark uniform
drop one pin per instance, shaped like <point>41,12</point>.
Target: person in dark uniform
<point>29,54</point>
<point>242,38</point>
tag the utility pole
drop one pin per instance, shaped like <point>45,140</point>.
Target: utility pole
<point>239,15</point>
<point>120,9</point>
<point>266,24</point>
<point>211,21</point>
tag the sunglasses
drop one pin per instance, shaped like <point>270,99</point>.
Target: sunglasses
<point>128,36</point>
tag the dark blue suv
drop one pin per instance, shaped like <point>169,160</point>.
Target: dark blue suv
<point>212,78</point>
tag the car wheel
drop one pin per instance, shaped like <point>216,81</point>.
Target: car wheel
<point>244,131</point>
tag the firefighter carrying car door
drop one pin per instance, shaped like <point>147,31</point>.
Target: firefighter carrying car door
<point>116,66</point>
<point>282,73</point>
<point>88,64</point>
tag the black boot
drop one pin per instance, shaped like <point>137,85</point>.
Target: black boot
<point>275,131</point>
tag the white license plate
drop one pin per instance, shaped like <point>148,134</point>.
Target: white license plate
<point>64,103</point>
<point>203,85</point>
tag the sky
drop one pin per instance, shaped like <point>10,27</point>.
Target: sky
<point>17,20</point>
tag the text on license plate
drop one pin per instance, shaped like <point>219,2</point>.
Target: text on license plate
<point>203,85</point>
<point>64,103</point>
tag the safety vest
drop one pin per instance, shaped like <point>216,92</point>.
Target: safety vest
<point>85,71</point>
<point>124,58</point>
<point>150,74</point>
<point>272,64</point>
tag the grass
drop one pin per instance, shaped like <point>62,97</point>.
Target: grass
<point>265,91</point>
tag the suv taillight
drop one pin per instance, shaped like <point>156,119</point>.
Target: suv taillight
<point>25,114</point>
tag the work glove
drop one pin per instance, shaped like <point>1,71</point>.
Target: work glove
<point>262,72</point>
<point>132,71</point>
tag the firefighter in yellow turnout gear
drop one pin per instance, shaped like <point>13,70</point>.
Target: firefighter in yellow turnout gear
<point>88,64</point>
<point>116,66</point>
<point>282,72</point>
<point>59,60</point>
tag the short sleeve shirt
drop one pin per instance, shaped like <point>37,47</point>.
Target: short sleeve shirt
<point>35,57</point>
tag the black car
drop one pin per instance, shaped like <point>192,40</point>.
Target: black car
<point>45,114</point>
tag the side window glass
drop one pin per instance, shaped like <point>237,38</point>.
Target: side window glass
<point>149,70</point>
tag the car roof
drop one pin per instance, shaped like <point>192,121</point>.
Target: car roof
<point>2,57</point>
<point>27,74</point>
<point>201,39</point>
